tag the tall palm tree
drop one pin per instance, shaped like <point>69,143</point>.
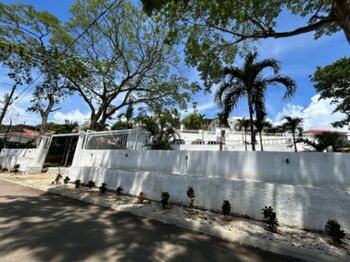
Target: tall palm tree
<point>243,124</point>
<point>292,124</point>
<point>261,123</point>
<point>250,82</point>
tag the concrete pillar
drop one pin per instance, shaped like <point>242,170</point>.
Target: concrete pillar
<point>79,149</point>
<point>38,161</point>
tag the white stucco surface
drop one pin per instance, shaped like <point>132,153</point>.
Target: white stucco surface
<point>307,191</point>
<point>22,156</point>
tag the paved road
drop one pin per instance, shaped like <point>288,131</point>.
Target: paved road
<point>35,226</point>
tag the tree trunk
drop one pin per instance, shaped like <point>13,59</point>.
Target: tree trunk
<point>341,10</point>
<point>295,144</point>
<point>43,127</point>
<point>252,135</point>
<point>8,101</point>
<point>93,122</point>
<point>261,142</point>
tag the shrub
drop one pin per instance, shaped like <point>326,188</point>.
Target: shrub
<point>226,207</point>
<point>57,179</point>
<point>16,168</point>
<point>77,183</point>
<point>66,180</point>
<point>190,195</point>
<point>119,190</point>
<point>103,188</point>
<point>141,197</point>
<point>91,184</point>
<point>5,169</point>
<point>165,199</point>
<point>270,218</point>
<point>333,229</point>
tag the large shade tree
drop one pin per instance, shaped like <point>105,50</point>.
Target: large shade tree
<point>333,82</point>
<point>27,37</point>
<point>127,60</point>
<point>250,82</point>
<point>214,29</point>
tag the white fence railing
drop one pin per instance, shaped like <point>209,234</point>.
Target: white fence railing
<point>130,139</point>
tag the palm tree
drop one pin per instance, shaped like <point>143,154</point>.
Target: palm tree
<point>292,124</point>
<point>261,123</point>
<point>163,135</point>
<point>243,124</point>
<point>250,82</point>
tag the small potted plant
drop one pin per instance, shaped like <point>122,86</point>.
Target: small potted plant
<point>165,199</point>
<point>141,197</point>
<point>270,219</point>
<point>103,188</point>
<point>77,183</point>
<point>190,195</point>
<point>119,190</point>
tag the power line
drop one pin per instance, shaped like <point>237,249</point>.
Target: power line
<point>20,97</point>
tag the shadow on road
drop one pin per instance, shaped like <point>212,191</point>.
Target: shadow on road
<point>44,227</point>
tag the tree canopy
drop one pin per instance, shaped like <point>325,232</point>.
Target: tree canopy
<point>333,82</point>
<point>127,59</point>
<point>215,30</point>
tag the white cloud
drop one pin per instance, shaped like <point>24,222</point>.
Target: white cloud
<point>319,114</point>
<point>75,116</point>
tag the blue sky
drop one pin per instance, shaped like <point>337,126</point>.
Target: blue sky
<point>299,56</point>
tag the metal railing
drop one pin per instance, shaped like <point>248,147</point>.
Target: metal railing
<point>130,139</point>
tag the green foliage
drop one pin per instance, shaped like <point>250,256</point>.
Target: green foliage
<point>333,229</point>
<point>57,179</point>
<point>10,144</point>
<point>214,31</point>
<point>333,82</point>
<point>161,129</point>
<point>66,180</point>
<point>77,183</point>
<point>121,125</point>
<point>91,184</point>
<point>16,168</point>
<point>325,140</point>
<point>165,199</point>
<point>226,207</point>
<point>292,124</point>
<point>127,59</point>
<point>270,218</point>
<point>103,188</point>
<point>195,121</point>
<point>141,197</point>
<point>119,190</point>
<point>249,81</point>
<point>190,195</point>
<point>67,127</point>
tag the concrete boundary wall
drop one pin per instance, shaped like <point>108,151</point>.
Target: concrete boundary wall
<point>22,156</point>
<point>296,206</point>
<point>308,169</point>
<point>306,189</point>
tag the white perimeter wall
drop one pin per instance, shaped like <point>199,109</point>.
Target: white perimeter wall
<point>307,191</point>
<point>22,156</point>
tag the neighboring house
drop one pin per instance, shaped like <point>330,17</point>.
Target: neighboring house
<point>20,134</point>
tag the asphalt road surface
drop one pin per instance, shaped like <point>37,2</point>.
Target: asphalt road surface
<point>36,226</point>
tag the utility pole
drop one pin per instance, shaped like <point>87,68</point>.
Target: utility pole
<point>7,103</point>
